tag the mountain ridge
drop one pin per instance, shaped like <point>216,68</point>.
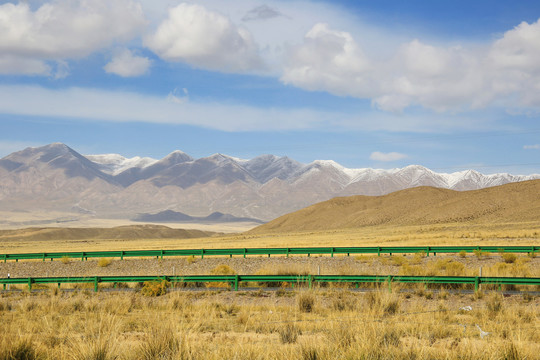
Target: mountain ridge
<point>56,177</point>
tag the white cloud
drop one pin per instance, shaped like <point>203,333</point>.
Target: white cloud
<point>62,69</point>
<point>386,157</point>
<point>329,60</point>
<point>64,29</point>
<point>10,64</point>
<point>116,106</point>
<point>261,12</point>
<point>204,39</point>
<point>534,147</point>
<point>440,78</point>
<point>125,64</point>
<point>177,108</point>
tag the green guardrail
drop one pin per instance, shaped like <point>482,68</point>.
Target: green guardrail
<point>235,280</point>
<point>84,255</point>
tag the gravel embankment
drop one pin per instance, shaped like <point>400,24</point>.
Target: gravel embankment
<point>249,265</point>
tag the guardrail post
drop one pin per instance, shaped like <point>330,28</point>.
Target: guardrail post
<point>96,284</point>
<point>332,252</point>
<point>122,255</point>
<point>43,257</point>
<point>161,254</point>
<point>5,257</point>
<point>389,279</point>
<point>378,251</point>
<point>310,279</point>
<point>236,282</point>
<point>245,253</point>
<point>476,283</point>
<point>202,253</point>
<point>427,252</point>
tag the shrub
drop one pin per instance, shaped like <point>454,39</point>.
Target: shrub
<point>191,259</point>
<point>65,259</point>
<point>155,288</point>
<point>478,253</point>
<point>463,253</point>
<point>104,262</point>
<point>509,258</point>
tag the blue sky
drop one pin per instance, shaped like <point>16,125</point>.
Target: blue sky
<point>450,85</point>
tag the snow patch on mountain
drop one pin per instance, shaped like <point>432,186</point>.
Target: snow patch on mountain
<point>114,164</point>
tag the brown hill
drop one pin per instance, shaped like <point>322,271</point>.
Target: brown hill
<point>514,202</point>
<point>130,232</point>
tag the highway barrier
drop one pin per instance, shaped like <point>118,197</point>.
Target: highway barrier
<point>85,255</point>
<point>235,280</point>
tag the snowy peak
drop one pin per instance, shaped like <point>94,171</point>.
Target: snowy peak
<point>114,164</point>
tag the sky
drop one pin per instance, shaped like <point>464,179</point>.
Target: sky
<point>450,85</point>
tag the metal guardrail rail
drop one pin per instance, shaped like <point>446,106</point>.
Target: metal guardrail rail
<point>235,280</point>
<point>84,255</point>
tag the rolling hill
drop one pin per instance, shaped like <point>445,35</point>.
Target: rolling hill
<point>130,232</point>
<point>516,202</point>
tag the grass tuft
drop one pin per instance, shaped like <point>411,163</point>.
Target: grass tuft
<point>305,301</point>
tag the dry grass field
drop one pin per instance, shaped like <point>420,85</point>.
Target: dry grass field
<point>516,233</point>
<point>325,323</point>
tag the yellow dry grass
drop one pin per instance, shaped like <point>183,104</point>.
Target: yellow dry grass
<point>516,233</point>
<point>337,324</point>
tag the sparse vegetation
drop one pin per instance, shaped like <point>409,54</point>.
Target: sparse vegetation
<point>219,325</point>
<point>104,262</point>
<point>155,288</point>
<point>306,301</point>
<point>509,258</point>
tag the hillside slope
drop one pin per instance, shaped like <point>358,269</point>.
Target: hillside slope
<point>121,232</point>
<point>416,206</point>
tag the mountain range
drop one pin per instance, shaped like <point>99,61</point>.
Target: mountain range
<point>57,178</point>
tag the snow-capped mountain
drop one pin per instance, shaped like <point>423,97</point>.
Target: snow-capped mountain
<point>56,177</point>
<point>114,164</point>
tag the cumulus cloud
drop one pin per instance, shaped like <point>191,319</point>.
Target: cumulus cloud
<point>386,157</point>
<point>126,64</point>
<point>532,147</point>
<point>204,39</point>
<point>329,60</point>
<point>64,29</point>
<point>435,77</point>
